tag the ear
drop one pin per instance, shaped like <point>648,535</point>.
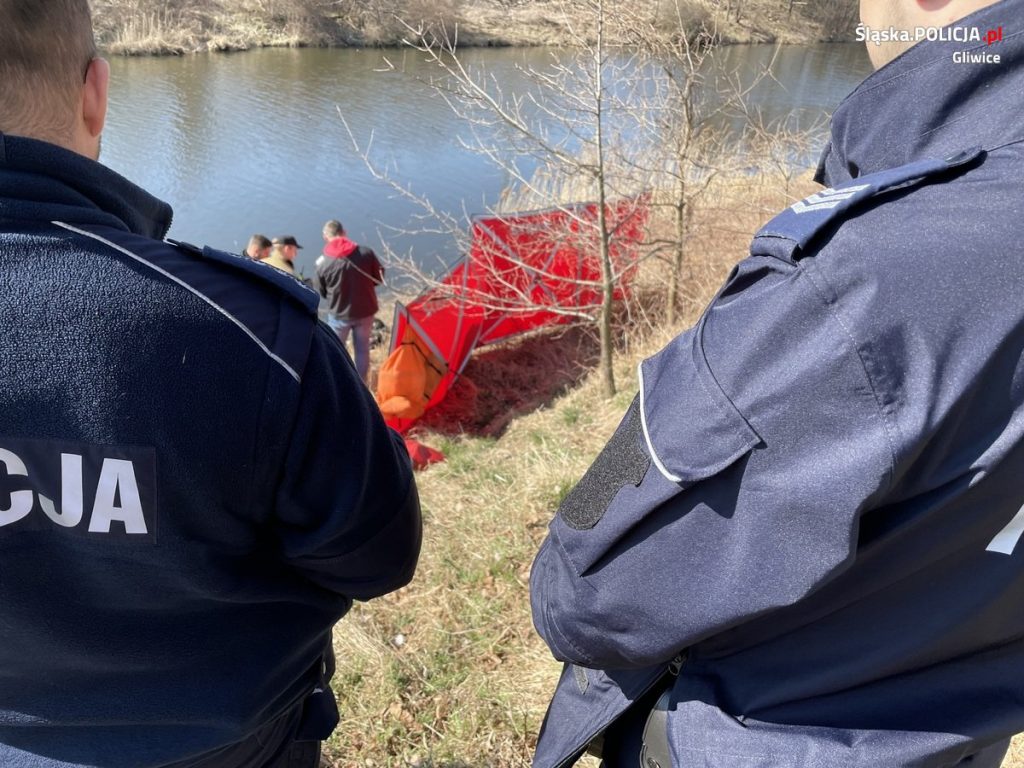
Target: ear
<point>94,97</point>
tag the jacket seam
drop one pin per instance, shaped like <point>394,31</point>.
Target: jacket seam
<point>889,428</point>
<point>583,660</point>
<point>183,284</point>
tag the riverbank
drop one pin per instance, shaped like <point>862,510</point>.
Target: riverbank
<point>448,672</point>
<point>154,27</point>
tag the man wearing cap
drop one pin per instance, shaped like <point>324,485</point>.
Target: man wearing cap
<point>283,251</point>
<point>194,484</point>
<point>802,546</point>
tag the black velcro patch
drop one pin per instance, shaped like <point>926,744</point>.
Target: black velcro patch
<point>622,462</point>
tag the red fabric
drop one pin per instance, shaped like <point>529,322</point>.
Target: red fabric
<point>422,456</point>
<point>339,247</point>
<point>520,271</point>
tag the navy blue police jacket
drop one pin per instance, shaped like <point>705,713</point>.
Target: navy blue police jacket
<point>815,502</point>
<point>194,483</point>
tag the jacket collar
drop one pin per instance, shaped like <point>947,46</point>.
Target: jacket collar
<point>339,247</point>
<point>923,104</point>
<point>44,182</point>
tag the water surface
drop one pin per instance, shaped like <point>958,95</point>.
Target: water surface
<point>252,142</point>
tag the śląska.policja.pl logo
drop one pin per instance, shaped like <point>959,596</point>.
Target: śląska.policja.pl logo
<point>957,34</point>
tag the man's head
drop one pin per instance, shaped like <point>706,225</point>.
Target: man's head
<point>287,246</point>
<point>52,86</point>
<point>333,229</point>
<point>910,14</point>
<point>258,247</point>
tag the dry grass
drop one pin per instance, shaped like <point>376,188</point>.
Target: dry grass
<point>469,680</point>
<point>1015,757</point>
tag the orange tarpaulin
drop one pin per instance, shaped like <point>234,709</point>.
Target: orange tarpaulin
<point>407,378</point>
<point>523,272</point>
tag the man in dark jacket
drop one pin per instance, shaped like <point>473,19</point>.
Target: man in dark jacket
<point>347,275</point>
<point>801,548</point>
<point>194,484</point>
<point>258,247</point>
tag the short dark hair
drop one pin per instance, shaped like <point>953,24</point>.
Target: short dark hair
<point>45,49</point>
<point>258,243</point>
<point>333,228</point>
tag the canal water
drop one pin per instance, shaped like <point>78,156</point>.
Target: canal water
<point>253,142</point>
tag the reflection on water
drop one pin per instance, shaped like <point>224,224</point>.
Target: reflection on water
<point>252,141</point>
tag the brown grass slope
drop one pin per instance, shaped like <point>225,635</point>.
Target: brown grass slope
<point>448,672</point>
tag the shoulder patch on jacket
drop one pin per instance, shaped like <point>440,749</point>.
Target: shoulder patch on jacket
<point>794,228</point>
<point>305,296</point>
<point>622,462</point>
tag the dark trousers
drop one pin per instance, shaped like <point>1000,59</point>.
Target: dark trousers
<point>272,746</point>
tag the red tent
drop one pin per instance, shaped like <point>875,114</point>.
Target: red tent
<point>523,272</point>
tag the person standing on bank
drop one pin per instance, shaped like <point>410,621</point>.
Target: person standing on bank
<point>347,275</point>
<point>283,251</point>
<point>258,248</point>
<point>175,551</point>
<point>801,547</point>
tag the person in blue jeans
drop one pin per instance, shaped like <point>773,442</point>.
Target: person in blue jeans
<point>347,276</point>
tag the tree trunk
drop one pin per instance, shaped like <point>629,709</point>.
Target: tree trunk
<point>678,255</point>
<point>608,294</point>
<point>607,268</point>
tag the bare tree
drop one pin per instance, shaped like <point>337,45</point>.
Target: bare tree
<point>574,135</point>
<point>648,119</point>
<point>700,116</point>
<point>838,18</point>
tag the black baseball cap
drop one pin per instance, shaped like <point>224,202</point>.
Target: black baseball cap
<point>286,240</point>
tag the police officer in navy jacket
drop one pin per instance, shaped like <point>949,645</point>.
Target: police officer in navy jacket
<point>194,483</point>
<point>802,546</point>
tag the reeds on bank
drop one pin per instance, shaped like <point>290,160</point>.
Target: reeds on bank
<point>154,27</point>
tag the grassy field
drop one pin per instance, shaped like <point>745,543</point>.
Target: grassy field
<point>449,672</point>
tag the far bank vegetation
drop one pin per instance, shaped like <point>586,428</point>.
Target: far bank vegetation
<point>152,27</point>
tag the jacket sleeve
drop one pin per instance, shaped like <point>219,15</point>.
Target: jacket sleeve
<point>732,488</point>
<point>318,282</point>
<point>347,510</point>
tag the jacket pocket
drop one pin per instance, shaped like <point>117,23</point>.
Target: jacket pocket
<point>680,430</point>
<point>691,428</point>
